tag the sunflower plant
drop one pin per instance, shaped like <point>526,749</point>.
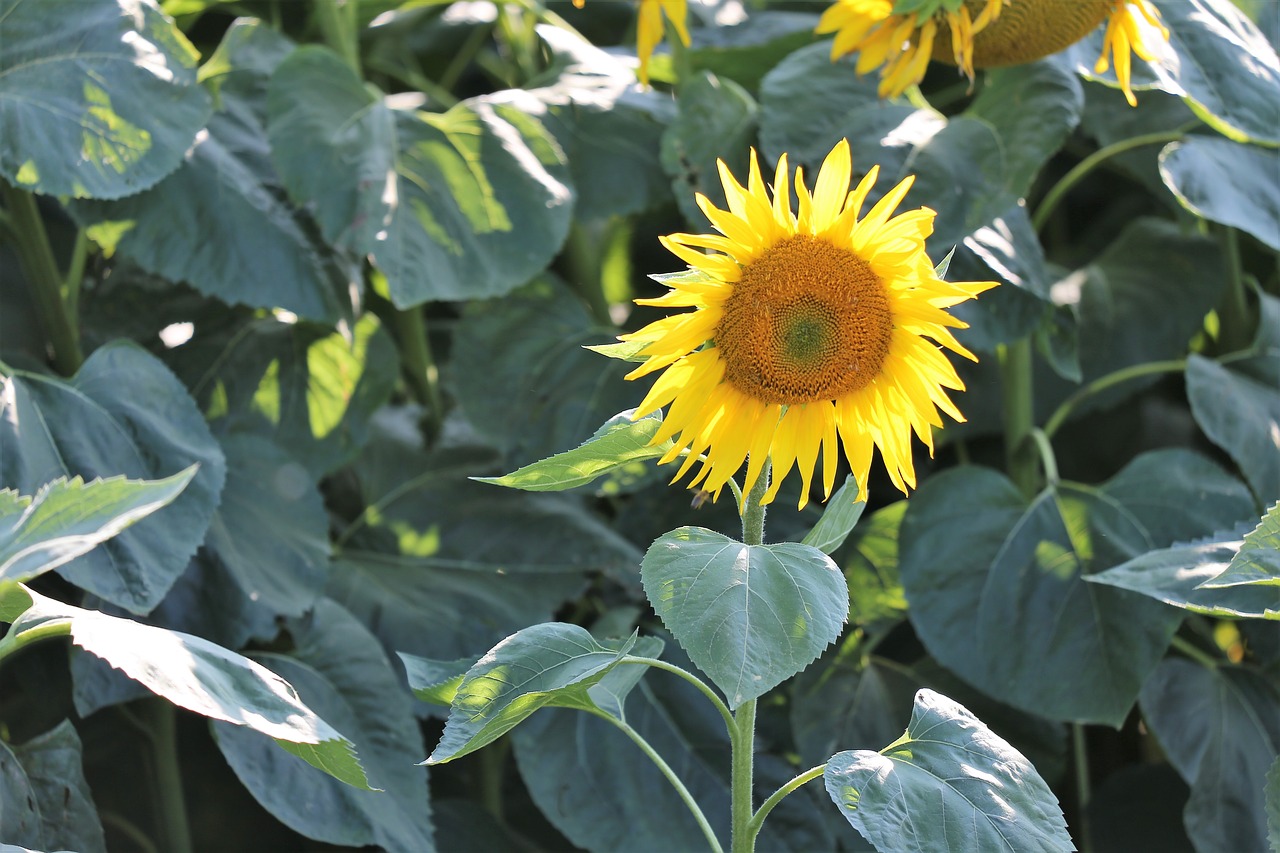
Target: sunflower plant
<point>393,395</point>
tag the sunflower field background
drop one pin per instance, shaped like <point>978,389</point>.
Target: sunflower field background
<point>312,394</point>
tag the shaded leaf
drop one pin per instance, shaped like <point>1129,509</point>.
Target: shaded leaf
<point>1272,794</point>
<point>949,783</point>
<point>435,681</point>
<point>1223,181</point>
<point>67,518</point>
<point>123,413</point>
<point>1238,407</point>
<point>53,763</point>
<point>749,616</point>
<point>98,98</point>
<point>838,519</point>
<point>18,804</point>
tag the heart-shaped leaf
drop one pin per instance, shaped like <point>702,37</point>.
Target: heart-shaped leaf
<point>750,616</point>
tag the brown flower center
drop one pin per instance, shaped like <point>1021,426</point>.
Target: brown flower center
<point>808,321</point>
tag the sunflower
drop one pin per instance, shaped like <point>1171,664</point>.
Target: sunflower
<point>813,330</point>
<point>649,28</point>
<point>983,34</point>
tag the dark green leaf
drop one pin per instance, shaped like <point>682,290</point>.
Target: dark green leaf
<point>435,681</point>
<point>1258,561</point>
<point>22,824</point>
<point>98,98</point>
<point>123,413</point>
<point>1139,807</point>
<point>949,783</point>
<point>333,143</point>
<point>195,674</point>
<point>716,121</point>
<point>609,694</point>
<point>745,51</point>
<point>1223,181</point>
<point>1220,728</point>
<point>54,769</point>
<point>1238,407</point>
<point>550,664</point>
<point>838,519</point>
<point>997,588</point>
<point>340,671</point>
<point>620,448</point>
<point>749,616</point>
<point>1272,794</point>
<point>68,518</point>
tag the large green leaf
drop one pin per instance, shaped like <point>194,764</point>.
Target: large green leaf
<point>123,413</point>
<point>1220,728</point>
<point>619,449</point>
<point>1216,60</point>
<point>311,389</point>
<point>218,224</point>
<point>68,518</point>
<point>716,121</point>
<point>1224,181</point>
<point>195,674</point>
<point>1238,407</point>
<point>98,98</point>
<point>997,588</point>
<point>341,672</point>
<point>55,792</point>
<point>949,783</point>
<point>1272,793</point>
<point>550,664</point>
<point>483,201</point>
<point>1258,561</point>
<point>750,616</point>
<point>333,143</point>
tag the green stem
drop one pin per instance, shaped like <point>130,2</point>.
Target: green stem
<point>1047,457</point>
<point>725,713</point>
<point>666,770</point>
<point>419,365</point>
<point>337,20</point>
<point>743,741</point>
<point>128,829</point>
<point>1060,415</point>
<point>1235,327</point>
<point>584,257</point>
<point>492,761</point>
<point>1056,193</point>
<point>44,282</point>
<point>1194,653</point>
<point>778,795</point>
<point>753,512</point>
<point>75,273</point>
<point>14,642</point>
<point>917,99</point>
<point>1017,390</point>
<point>168,777</point>
<point>1081,756</point>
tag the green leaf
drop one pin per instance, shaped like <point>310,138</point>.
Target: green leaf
<point>271,531</point>
<point>749,616</point>
<point>997,587</point>
<point>716,121</point>
<point>1272,794</point>
<point>745,51</point>
<point>1222,181</point>
<point>483,202</point>
<point>621,446</point>
<point>1220,728</point>
<point>333,143</point>
<point>550,664</point>
<point>22,824</point>
<point>876,599</point>
<point>1258,561</point>
<point>435,681</point>
<point>623,351</point>
<point>340,671</point>
<point>1238,407</point>
<point>312,390</point>
<point>838,519</point>
<point>1216,60</point>
<point>123,413</point>
<point>66,519</point>
<point>53,765</point>
<point>195,674</point>
<point>949,783</point>
<point>98,97</point>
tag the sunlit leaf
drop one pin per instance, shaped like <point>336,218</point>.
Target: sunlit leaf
<point>1258,561</point>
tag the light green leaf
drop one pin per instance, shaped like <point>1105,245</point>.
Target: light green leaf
<point>123,413</point>
<point>621,446</point>
<point>623,351</point>
<point>838,519</point>
<point>68,518</point>
<point>1220,727</point>
<point>435,681</point>
<point>549,664</point>
<point>949,783</point>
<point>1223,181</point>
<point>54,767</point>
<point>195,674</point>
<point>1238,407</point>
<point>985,573</point>
<point>1258,561</point>
<point>341,672</point>
<point>876,600</point>
<point>749,616</point>
<point>98,98</point>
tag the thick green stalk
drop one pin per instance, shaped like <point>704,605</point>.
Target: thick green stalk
<point>419,364</point>
<point>171,803</point>
<point>1080,755</point>
<point>338,23</point>
<point>1102,383</point>
<point>583,255</point>
<point>1019,418</point>
<point>1236,326</point>
<point>44,282</point>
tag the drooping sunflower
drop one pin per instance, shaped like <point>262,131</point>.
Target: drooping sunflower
<point>814,329</point>
<point>649,28</point>
<point>983,34</point>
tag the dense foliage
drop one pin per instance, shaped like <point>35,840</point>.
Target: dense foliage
<point>300,419</point>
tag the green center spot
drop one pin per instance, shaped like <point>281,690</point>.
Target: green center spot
<point>804,339</point>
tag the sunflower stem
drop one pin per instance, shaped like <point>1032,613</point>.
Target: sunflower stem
<point>1017,389</point>
<point>584,257</point>
<point>778,795</point>
<point>1102,383</point>
<point>753,511</point>
<point>1080,754</point>
<point>172,807</point>
<point>419,366</point>
<point>1233,312</point>
<point>338,23</point>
